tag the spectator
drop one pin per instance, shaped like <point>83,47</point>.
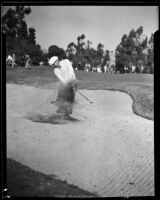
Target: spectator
<point>105,68</point>
<point>94,69</point>
<point>133,69</point>
<point>87,67</point>
<point>28,62</point>
<point>9,60</point>
<point>99,68</point>
<point>41,63</point>
<point>126,69</point>
<point>141,69</point>
<point>13,60</point>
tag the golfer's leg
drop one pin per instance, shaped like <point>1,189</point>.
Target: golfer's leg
<point>60,100</point>
<point>65,99</point>
<point>72,88</point>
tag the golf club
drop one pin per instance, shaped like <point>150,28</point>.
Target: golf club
<point>85,97</point>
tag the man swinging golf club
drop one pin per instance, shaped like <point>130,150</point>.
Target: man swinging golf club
<point>66,94</point>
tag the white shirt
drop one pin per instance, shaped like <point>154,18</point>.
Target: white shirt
<point>65,73</point>
<point>9,57</point>
<point>98,69</point>
<point>133,68</point>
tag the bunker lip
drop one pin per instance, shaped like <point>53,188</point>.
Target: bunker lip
<point>38,184</point>
<point>100,148</point>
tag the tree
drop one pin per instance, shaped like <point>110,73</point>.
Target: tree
<point>11,21</point>
<point>71,48</point>
<point>19,39</point>
<point>150,55</point>
<point>91,56</point>
<point>21,11</point>
<point>151,42</point>
<point>82,36</point>
<point>54,50</point>
<point>80,52</point>
<point>20,50</point>
<point>23,32</point>
<point>88,44</point>
<point>14,26</point>
<point>131,49</point>
<point>80,39</point>
<point>100,52</point>
<point>35,53</point>
<point>32,36</point>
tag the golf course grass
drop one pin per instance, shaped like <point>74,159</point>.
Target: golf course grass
<point>23,181</point>
<point>26,181</point>
<point>138,86</point>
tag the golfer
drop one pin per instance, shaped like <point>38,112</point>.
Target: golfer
<point>64,72</point>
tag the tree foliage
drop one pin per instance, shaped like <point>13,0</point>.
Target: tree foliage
<point>19,39</point>
<point>100,52</point>
<point>32,36</point>
<point>54,50</point>
<point>132,49</point>
<point>80,54</point>
<point>150,55</point>
<point>23,32</point>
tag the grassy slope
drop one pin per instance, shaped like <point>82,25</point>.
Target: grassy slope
<point>27,182</point>
<point>138,86</point>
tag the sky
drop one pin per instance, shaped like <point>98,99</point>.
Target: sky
<point>60,25</point>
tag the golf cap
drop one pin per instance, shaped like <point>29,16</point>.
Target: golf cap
<point>52,60</point>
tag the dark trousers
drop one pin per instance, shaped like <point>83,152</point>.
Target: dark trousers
<point>66,97</point>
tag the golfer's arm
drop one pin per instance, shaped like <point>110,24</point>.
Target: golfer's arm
<point>71,71</point>
<point>58,75</point>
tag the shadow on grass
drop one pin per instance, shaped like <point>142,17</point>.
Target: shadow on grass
<point>23,181</point>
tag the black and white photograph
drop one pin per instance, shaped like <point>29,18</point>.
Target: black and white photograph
<point>79,100</point>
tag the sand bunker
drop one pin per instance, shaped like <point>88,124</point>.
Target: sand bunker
<point>103,148</point>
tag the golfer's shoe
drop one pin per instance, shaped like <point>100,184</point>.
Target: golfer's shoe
<point>60,111</point>
<point>64,113</point>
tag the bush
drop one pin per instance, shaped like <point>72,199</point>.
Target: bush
<point>147,70</point>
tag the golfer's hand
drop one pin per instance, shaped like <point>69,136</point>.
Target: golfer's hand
<point>59,67</point>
